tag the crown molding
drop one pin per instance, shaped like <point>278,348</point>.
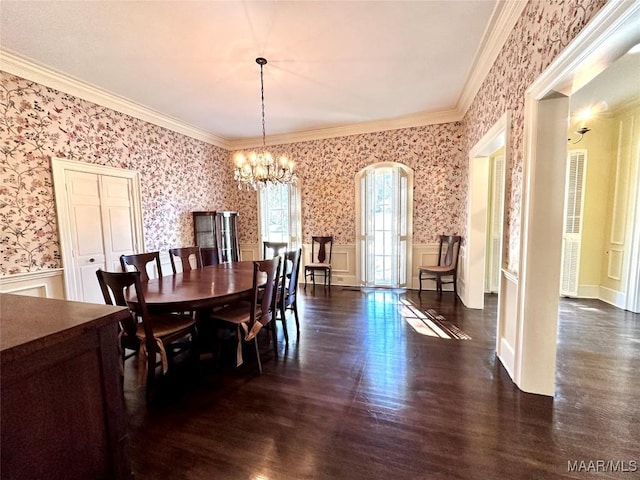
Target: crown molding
<point>406,121</point>
<point>30,70</point>
<point>503,20</point>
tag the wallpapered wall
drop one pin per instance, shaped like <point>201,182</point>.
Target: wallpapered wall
<point>178,174</point>
<point>544,29</point>
<point>327,170</point>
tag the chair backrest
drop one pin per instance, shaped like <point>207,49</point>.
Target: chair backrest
<point>114,288</point>
<point>290,287</point>
<point>273,248</point>
<point>265,304</point>
<point>209,256</point>
<point>139,261</point>
<point>184,254</point>
<point>452,244</point>
<point>320,243</point>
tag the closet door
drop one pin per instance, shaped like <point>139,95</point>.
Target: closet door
<point>99,218</point>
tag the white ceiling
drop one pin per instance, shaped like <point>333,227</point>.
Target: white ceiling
<point>331,63</point>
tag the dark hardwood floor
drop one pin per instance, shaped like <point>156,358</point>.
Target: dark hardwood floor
<point>362,395</point>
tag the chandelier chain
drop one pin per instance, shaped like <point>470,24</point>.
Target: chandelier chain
<point>264,134</point>
<point>259,169</point>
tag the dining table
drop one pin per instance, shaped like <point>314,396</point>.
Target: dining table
<point>199,288</point>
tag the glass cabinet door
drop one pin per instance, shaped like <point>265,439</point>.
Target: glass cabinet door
<point>218,229</point>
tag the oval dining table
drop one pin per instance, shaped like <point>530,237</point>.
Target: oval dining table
<point>199,288</point>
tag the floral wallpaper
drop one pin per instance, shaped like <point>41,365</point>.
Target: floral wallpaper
<point>178,174</point>
<point>544,30</point>
<point>327,168</point>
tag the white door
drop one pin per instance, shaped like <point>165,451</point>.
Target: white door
<point>384,225</point>
<point>85,215</point>
<point>99,217</point>
<point>496,218</point>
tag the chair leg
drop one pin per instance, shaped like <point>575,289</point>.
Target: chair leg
<point>420,283</point>
<point>285,332</point>
<point>255,342</point>
<point>305,278</point>
<point>274,334</point>
<point>294,307</point>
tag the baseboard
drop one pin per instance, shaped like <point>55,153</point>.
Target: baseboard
<point>612,297</point>
<point>507,356</point>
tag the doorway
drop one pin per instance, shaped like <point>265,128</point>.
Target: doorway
<point>384,199</point>
<point>605,39</point>
<point>99,217</point>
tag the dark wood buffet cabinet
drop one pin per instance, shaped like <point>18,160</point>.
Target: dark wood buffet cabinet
<point>63,412</point>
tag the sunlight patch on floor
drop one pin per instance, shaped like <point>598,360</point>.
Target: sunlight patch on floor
<point>429,322</point>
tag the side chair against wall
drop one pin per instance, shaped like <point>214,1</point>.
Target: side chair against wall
<point>448,253</point>
<point>139,261</point>
<point>251,315</point>
<point>158,336</point>
<point>289,290</point>
<point>273,249</point>
<point>209,256</point>
<point>320,263</point>
<point>185,254</point>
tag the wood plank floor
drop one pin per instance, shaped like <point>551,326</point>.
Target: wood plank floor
<point>362,395</point>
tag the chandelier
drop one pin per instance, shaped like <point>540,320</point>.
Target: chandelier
<point>258,169</point>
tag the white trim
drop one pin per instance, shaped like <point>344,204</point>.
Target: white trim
<point>407,121</point>
<point>506,14</point>
<point>499,135</point>
<point>609,34</point>
<point>511,276</point>
<point>504,18</point>
<point>615,263</point>
<point>50,282</point>
<point>59,167</point>
<point>612,297</point>
<point>38,275</point>
<point>28,69</point>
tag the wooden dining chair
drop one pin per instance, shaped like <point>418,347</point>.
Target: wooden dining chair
<point>209,256</point>
<point>448,253</point>
<point>157,336</point>
<point>273,249</point>
<point>251,315</point>
<point>320,262</point>
<point>287,299</point>
<point>185,254</point>
<point>139,261</point>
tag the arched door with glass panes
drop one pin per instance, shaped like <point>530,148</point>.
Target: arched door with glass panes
<point>384,194</point>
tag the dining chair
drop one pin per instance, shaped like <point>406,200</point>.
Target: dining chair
<point>448,253</point>
<point>273,249</point>
<point>209,256</point>
<point>139,261</point>
<point>184,254</point>
<point>156,335</point>
<point>251,315</point>
<point>320,263</point>
<point>287,300</point>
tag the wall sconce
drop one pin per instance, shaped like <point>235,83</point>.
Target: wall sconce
<point>580,132</point>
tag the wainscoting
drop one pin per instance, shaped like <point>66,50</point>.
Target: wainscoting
<point>44,283</point>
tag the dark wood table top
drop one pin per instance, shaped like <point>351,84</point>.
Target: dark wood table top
<point>199,288</point>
